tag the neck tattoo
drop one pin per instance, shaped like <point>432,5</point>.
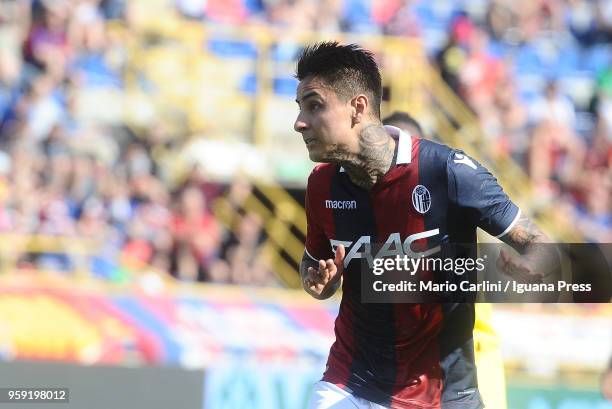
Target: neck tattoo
<point>377,154</point>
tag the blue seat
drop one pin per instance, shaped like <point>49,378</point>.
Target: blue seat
<point>103,268</point>
<point>531,86</point>
<point>286,86</point>
<point>568,60</point>
<point>528,96</point>
<point>358,12</point>
<point>248,84</point>
<point>253,6</point>
<point>434,40</point>
<point>527,61</point>
<point>285,51</point>
<point>597,58</point>
<point>223,47</point>
<point>428,18</point>
<point>498,49</point>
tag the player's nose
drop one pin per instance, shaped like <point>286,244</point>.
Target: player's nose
<point>300,124</point>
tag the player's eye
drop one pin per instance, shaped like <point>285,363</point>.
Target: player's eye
<point>314,106</point>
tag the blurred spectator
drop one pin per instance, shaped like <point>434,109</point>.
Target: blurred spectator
<point>507,122</point>
<point>603,22</point>
<point>453,56</point>
<point>481,72</point>
<point>591,206</point>
<point>113,9</point>
<point>406,122</point>
<point>47,45</point>
<point>226,11</point>
<point>554,109</point>
<point>196,234</point>
<point>399,19</point>
<point>193,9</point>
<point>245,255</point>
<point>556,152</point>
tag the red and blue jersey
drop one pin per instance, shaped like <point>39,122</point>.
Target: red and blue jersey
<point>404,355</point>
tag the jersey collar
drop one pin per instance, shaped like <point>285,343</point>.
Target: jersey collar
<point>404,145</point>
<point>404,148</point>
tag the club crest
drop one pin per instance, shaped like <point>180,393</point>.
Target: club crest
<point>421,199</point>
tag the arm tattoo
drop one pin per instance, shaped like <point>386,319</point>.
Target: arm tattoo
<point>524,234</point>
<point>527,239</point>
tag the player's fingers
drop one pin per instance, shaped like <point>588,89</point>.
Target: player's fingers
<point>517,267</point>
<point>521,272</point>
<point>323,274</point>
<point>322,267</point>
<point>501,261</point>
<point>505,256</point>
<point>312,286</point>
<point>318,276</point>
<point>313,275</point>
<point>326,274</point>
<point>511,263</point>
<point>506,265</point>
<point>514,271</point>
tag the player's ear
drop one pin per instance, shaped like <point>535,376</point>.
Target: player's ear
<point>359,108</point>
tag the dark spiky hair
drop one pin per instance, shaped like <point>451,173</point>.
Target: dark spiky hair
<point>348,69</point>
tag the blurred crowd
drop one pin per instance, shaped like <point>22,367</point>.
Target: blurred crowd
<point>538,76</point>
<point>64,173</point>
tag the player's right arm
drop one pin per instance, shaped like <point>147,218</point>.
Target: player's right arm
<point>320,269</point>
<point>321,279</point>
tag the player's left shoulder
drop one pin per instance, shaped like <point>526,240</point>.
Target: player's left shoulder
<point>437,156</point>
<point>458,160</point>
<point>433,153</point>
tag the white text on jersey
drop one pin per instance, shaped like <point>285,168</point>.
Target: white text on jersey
<point>464,160</point>
<point>362,248</point>
<point>341,204</point>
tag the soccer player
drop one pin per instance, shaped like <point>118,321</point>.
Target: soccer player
<point>391,355</point>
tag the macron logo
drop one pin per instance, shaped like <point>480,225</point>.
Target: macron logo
<point>341,204</point>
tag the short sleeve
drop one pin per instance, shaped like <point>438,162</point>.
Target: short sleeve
<point>474,189</point>
<point>317,243</point>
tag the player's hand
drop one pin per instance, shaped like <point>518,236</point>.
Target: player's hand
<point>328,274</point>
<point>521,268</point>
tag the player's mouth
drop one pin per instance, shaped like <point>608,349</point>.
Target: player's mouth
<point>309,140</point>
